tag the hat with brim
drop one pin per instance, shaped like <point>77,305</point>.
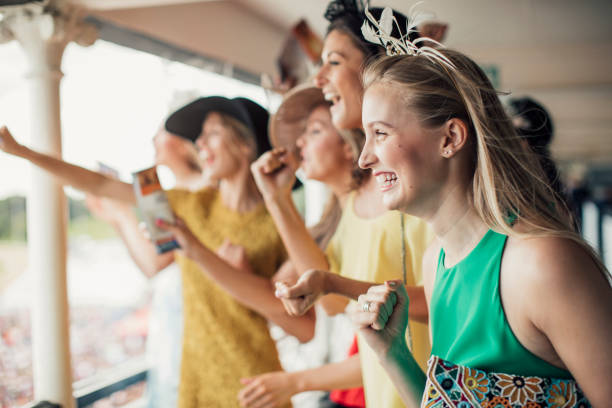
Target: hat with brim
<point>289,122</point>
<point>187,121</point>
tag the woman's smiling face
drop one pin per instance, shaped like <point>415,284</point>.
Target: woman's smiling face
<point>324,153</point>
<point>220,149</point>
<point>404,156</point>
<point>340,79</point>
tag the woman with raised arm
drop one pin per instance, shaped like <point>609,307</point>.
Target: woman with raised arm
<point>520,306</point>
<point>327,155</point>
<point>165,328</point>
<point>220,328</point>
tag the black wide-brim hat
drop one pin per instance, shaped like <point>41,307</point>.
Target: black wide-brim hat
<point>187,121</point>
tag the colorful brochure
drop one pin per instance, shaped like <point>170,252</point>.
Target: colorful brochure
<point>153,204</point>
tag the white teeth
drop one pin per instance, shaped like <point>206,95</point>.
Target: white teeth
<point>204,155</point>
<point>330,97</point>
<point>386,179</point>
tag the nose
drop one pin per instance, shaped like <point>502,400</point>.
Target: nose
<point>320,78</point>
<point>200,142</point>
<point>300,142</point>
<point>367,158</point>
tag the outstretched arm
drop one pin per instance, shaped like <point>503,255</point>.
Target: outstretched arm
<point>124,221</point>
<point>313,284</point>
<point>69,174</point>
<point>276,388</point>
<point>252,291</point>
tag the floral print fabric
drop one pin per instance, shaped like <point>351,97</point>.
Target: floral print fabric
<point>450,385</point>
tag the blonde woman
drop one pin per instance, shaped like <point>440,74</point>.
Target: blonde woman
<point>225,307</point>
<point>520,306</point>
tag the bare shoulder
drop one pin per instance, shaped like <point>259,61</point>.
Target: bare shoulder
<point>539,260</point>
<point>546,270</point>
<point>430,263</point>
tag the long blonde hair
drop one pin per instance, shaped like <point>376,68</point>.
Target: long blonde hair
<point>508,180</point>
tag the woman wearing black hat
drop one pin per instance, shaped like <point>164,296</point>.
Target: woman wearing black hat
<point>224,340</point>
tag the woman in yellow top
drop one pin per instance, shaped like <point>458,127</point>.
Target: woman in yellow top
<point>343,57</point>
<point>344,53</point>
<point>224,339</point>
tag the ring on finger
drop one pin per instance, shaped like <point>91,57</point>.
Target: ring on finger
<point>366,307</point>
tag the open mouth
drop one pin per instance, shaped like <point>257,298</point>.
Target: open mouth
<point>386,180</point>
<point>332,97</point>
<point>206,157</point>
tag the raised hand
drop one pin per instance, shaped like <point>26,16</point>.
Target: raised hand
<point>266,390</point>
<point>300,297</point>
<point>188,242</point>
<point>234,255</point>
<point>8,143</point>
<point>435,31</point>
<point>381,316</point>
<point>274,172</point>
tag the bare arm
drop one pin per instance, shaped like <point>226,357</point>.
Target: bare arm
<point>69,174</point>
<point>274,176</point>
<point>122,218</point>
<point>302,248</point>
<point>252,291</point>
<point>353,289</point>
<point>301,296</point>
<point>278,387</point>
<point>575,316</point>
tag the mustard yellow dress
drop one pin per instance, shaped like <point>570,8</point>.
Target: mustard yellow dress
<point>223,341</point>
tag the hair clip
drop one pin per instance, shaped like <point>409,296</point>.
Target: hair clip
<point>379,32</point>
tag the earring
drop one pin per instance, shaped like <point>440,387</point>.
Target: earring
<point>447,152</point>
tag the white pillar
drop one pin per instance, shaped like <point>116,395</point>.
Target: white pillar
<point>44,32</point>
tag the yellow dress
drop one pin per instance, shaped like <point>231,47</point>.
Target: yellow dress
<point>223,341</point>
<point>371,250</point>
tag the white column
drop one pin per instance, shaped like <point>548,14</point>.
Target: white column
<point>44,33</point>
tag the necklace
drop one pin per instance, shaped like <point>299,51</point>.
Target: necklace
<point>404,278</point>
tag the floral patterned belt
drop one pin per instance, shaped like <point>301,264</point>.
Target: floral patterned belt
<point>451,385</point>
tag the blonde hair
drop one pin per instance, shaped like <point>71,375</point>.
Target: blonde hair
<point>508,181</point>
<point>240,131</point>
<point>355,138</point>
<point>325,228</point>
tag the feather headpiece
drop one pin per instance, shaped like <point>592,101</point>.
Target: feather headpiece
<point>379,32</point>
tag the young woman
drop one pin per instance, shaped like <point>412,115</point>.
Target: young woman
<point>165,328</point>
<point>330,156</point>
<point>520,306</point>
<point>368,244</point>
<point>221,328</point>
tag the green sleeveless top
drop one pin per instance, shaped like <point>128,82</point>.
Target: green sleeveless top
<point>468,323</point>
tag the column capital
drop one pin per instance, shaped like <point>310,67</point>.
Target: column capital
<point>44,29</point>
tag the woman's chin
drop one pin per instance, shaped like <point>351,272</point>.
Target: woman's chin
<point>391,200</point>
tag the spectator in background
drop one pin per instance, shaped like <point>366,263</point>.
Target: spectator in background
<point>534,124</point>
<point>165,331</point>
